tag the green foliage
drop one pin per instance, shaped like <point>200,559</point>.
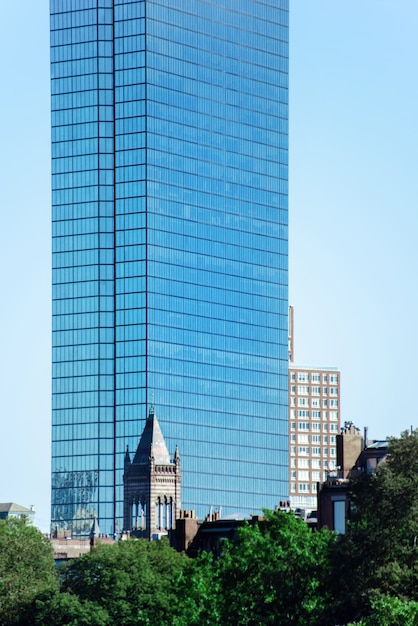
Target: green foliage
<point>199,593</point>
<point>135,581</point>
<point>64,609</point>
<point>277,573</point>
<point>27,568</point>
<point>389,611</point>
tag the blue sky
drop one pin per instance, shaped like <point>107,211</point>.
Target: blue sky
<point>353,219</point>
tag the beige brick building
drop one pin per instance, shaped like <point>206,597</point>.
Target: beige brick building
<point>314,423</point>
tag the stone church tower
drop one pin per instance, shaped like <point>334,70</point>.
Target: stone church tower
<point>152,484</point>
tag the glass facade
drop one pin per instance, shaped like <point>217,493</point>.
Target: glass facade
<point>170,176</point>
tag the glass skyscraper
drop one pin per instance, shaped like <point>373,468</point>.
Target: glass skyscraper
<point>170,178</point>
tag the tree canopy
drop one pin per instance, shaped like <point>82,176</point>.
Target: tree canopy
<point>276,573</point>
<point>27,568</point>
<point>135,581</point>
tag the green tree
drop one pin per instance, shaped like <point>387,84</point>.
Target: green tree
<point>135,581</point>
<point>389,611</point>
<point>276,573</point>
<point>27,568</point>
<point>378,554</point>
<point>199,593</point>
<point>64,609</point>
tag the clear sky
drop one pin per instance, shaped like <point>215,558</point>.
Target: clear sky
<point>353,219</point>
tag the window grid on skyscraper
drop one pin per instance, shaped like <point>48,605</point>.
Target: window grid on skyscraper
<point>169,248</point>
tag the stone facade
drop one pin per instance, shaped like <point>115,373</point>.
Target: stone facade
<point>152,485</point>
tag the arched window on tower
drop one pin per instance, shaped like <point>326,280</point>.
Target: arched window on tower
<point>170,523</point>
<point>162,514</point>
<point>143,515</point>
<point>135,506</point>
<point>132,514</point>
<point>158,513</point>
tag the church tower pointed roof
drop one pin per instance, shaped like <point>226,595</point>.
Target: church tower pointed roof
<point>152,443</point>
